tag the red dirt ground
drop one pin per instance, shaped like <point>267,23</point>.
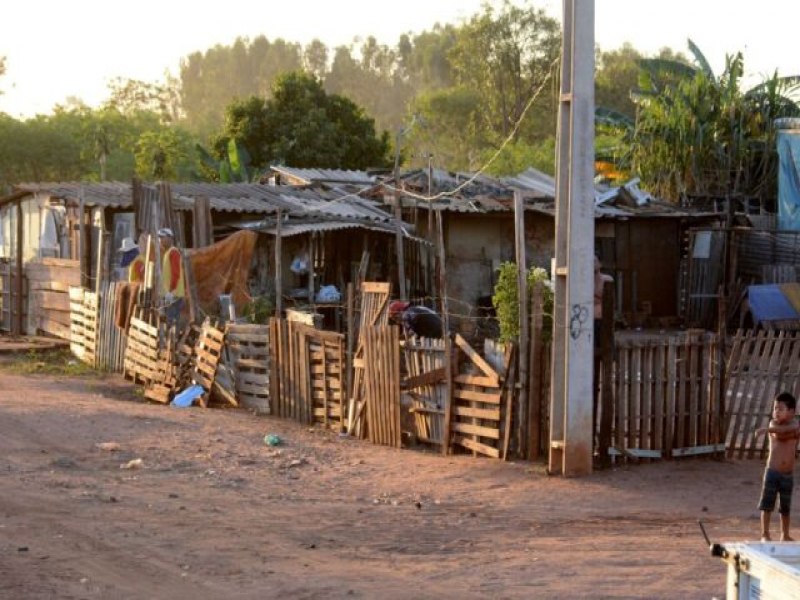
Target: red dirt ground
<point>215,513</point>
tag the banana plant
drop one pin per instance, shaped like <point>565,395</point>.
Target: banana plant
<point>699,133</point>
<point>232,168</point>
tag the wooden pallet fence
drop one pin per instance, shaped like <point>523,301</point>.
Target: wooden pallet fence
<point>479,406</point>
<point>49,280</point>
<point>248,348</point>
<point>8,295</point>
<point>374,312</point>
<point>426,386</point>
<point>290,375</point>
<point>142,353</point>
<point>307,374</point>
<point>111,341</point>
<point>760,365</point>
<point>667,396</point>
<point>326,365</point>
<point>207,353</point>
<point>83,324</point>
<point>382,384</point>
<point>163,383</point>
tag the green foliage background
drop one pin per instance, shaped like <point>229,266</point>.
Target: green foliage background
<point>456,91</point>
<point>506,300</point>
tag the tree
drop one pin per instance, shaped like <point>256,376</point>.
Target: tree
<point>500,62</point>
<point>161,154</point>
<point>505,56</point>
<point>315,59</point>
<point>211,80</point>
<point>617,73</point>
<point>303,126</point>
<point>451,128</point>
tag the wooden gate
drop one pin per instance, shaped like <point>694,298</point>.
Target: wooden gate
<point>761,365</point>
<point>480,411</point>
<point>382,384</point>
<point>667,395</point>
<point>248,349</point>
<point>374,312</point>
<point>426,386</point>
<point>307,373</point>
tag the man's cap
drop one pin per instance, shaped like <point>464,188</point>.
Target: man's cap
<point>166,232</point>
<point>127,245</point>
<point>398,306</point>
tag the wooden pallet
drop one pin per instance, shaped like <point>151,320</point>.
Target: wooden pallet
<point>382,384</point>
<point>480,405</point>
<point>207,351</point>
<point>426,386</point>
<point>326,366</point>
<point>141,354</point>
<point>83,324</point>
<point>248,349</point>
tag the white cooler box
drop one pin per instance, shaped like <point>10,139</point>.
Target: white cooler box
<point>761,570</point>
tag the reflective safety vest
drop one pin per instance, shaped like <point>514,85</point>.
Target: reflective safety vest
<point>172,280</point>
<point>136,270</point>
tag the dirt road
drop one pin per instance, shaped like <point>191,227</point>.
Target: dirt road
<point>215,513</point>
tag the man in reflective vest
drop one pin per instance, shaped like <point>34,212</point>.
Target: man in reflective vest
<point>173,287</point>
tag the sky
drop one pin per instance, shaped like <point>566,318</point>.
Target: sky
<point>56,49</point>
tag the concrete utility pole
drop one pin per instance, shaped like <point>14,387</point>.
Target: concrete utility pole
<point>571,403</point>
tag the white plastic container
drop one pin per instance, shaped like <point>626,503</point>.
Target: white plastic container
<point>761,570</point>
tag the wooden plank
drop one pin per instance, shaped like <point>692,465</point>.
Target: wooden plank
<point>647,396</point>
<point>509,385</point>
<point>694,400</point>
<point>479,430</point>
<point>635,452</point>
<point>489,398</point>
<point>623,385</point>
<point>478,360</point>
<point>476,446</point>
<point>634,412</point>
<point>375,287</point>
<point>478,413</point>
<point>475,380</point>
<point>424,379</point>
<point>697,450</point>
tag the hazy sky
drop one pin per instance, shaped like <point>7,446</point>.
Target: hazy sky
<point>56,48</point>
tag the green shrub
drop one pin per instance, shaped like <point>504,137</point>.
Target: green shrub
<point>506,303</point>
<point>259,310</point>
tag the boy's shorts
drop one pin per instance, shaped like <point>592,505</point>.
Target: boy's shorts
<point>776,484</point>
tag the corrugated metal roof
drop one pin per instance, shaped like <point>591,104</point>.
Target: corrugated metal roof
<point>290,229</point>
<point>112,194</point>
<point>533,180</point>
<point>325,175</point>
<point>229,197</point>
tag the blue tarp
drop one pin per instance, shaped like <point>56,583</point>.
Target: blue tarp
<point>789,180</point>
<point>185,398</point>
<point>769,303</point>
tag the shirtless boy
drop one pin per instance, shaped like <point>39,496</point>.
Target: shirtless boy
<point>784,431</point>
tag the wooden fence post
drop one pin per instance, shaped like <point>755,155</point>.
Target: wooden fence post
<point>534,396</point>
<point>607,362</point>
